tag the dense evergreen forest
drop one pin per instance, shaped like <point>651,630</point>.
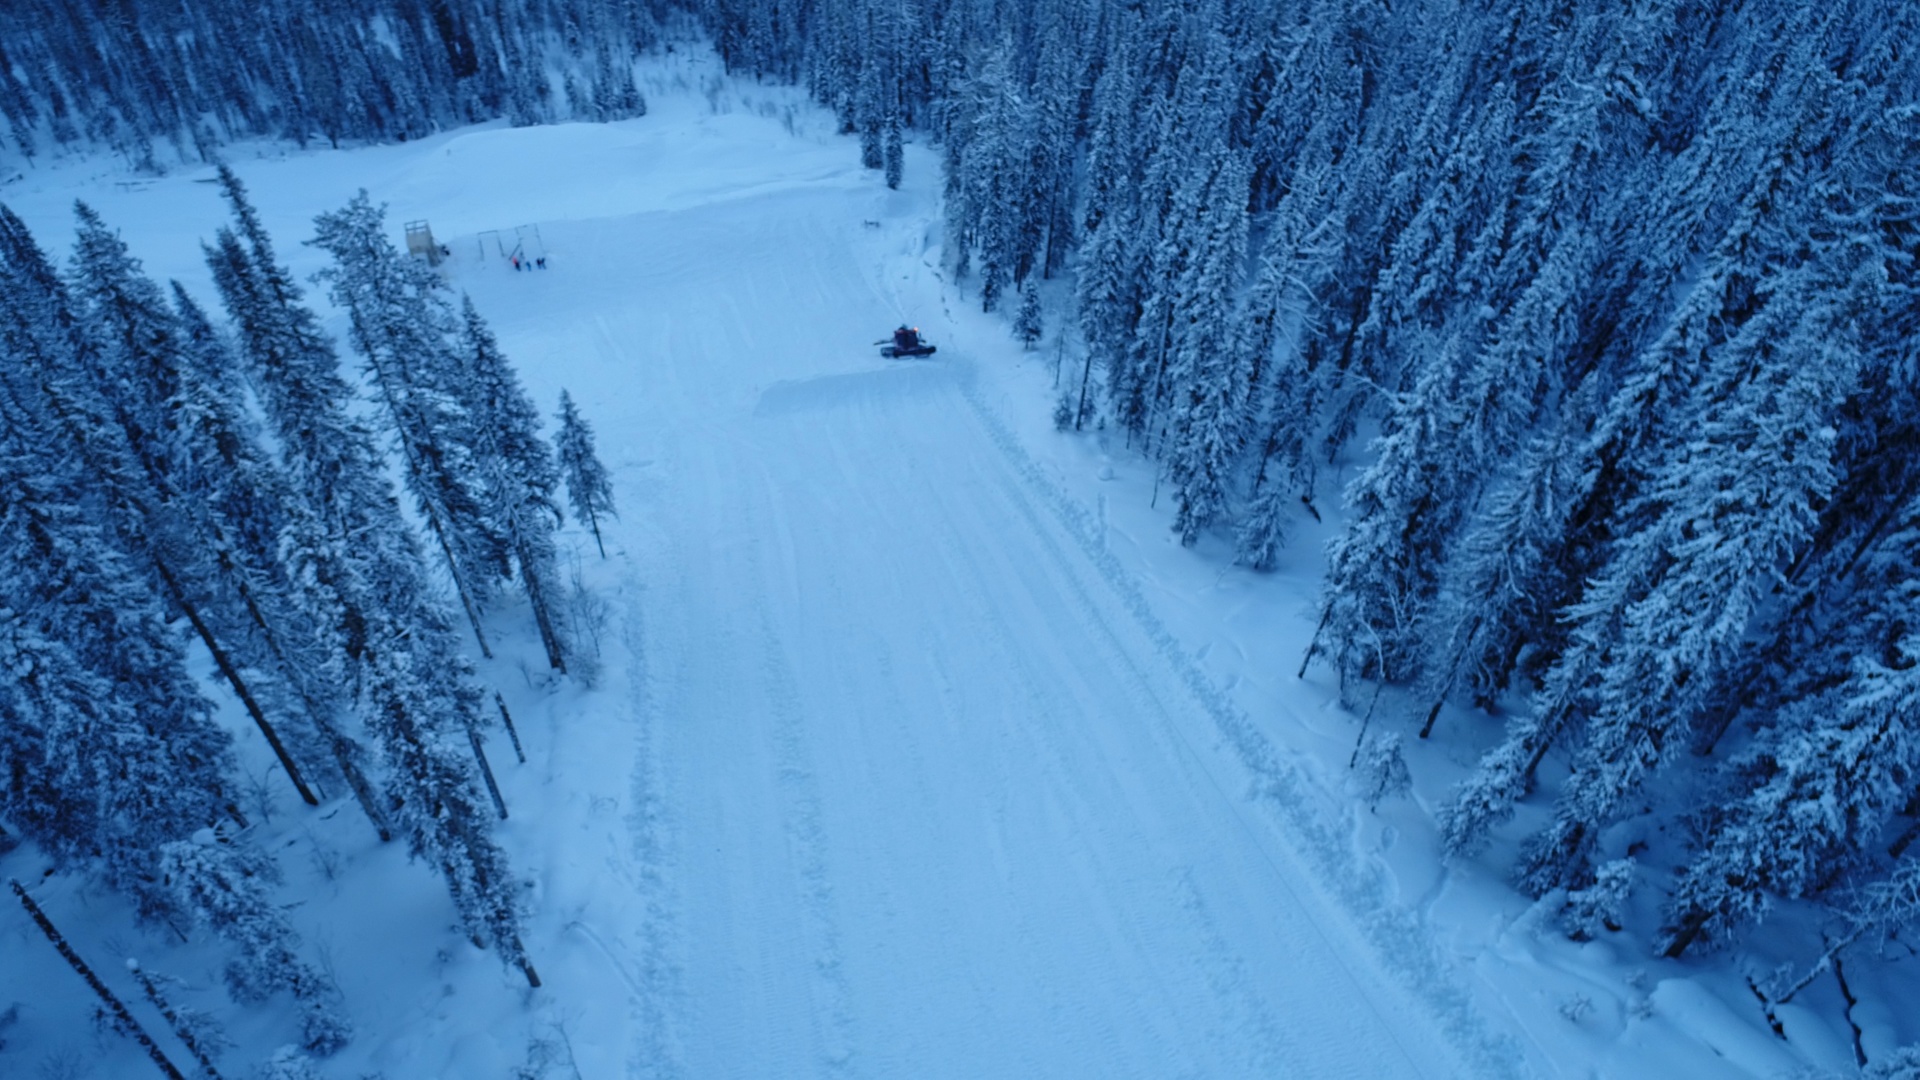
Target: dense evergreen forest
<point>147,78</point>
<point>1614,305</point>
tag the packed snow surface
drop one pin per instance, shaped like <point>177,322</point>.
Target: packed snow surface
<point>910,754</point>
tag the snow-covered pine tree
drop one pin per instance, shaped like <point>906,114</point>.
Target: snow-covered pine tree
<point>520,481</point>
<point>248,510</point>
<point>109,749</point>
<point>1731,504</point>
<point>1645,410</point>
<point>360,574</point>
<point>1592,105</point>
<point>1107,274</point>
<point>1833,768</point>
<point>893,149</point>
<point>204,560</point>
<point>870,110</point>
<point>109,395</point>
<point>1504,578</point>
<point>1367,133</point>
<point>589,487</point>
<point>1420,286</point>
<point>122,726</point>
<point>1210,375</point>
<point>402,327</point>
<point>1601,905</point>
<point>1493,398</point>
<point>1381,767</point>
<point>1060,81</point>
<point>1381,571</point>
<point>247,507</point>
<point>1028,323</point>
<point>1110,154</point>
<point>1395,179</point>
<point>1293,263</point>
<point>108,746</point>
<point>996,155</point>
<point>1170,217</point>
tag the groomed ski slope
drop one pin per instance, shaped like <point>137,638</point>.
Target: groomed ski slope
<point>916,794</point>
<point>927,801</point>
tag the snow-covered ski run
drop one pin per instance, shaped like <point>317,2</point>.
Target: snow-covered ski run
<point>928,801</point>
<point>917,794</point>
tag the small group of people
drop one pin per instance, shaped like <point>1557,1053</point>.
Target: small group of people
<point>527,262</point>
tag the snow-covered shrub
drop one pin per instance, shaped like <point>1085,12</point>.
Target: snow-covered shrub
<point>1063,412</point>
<point>228,887</point>
<point>1598,906</point>
<point>289,1063</point>
<point>586,614</point>
<point>323,1030</point>
<point>1382,769</point>
<point>1902,1064</point>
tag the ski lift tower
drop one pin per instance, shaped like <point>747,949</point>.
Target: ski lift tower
<point>420,242</point>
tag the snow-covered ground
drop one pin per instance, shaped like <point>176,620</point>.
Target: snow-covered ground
<point>919,748</point>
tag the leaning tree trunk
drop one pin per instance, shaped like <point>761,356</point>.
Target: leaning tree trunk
<point>174,1021</point>
<point>542,614</point>
<point>340,746</point>
<point>107,997</point>
<point>593,522</point>
<point>232,675</point>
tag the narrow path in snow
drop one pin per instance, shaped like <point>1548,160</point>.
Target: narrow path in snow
<point>917,796</point>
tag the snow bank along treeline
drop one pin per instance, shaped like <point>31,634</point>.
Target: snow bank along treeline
<point>1627,291</point>
<point>138,487</point>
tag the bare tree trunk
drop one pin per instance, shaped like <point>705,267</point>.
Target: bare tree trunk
<point>593,522</point>
<point>119,1011</point>
<point>338,744</point>
<point>1086,375</point>
<point>232,675</point>
<point>1439,700</point>
<point>507,719</point>
<point>486,771</point>
<point>542,617</point>
<point>361,787</point>
<point>180,1030</point>
<point>1313,646</point>
<point>460,585</point>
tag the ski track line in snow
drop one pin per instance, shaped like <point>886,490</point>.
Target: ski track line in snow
<point>1067,756</point>
<point>653,1053</point>
<point>1401,943</point>
<point>1070,790</point>
<point>799,789</point>
<point>1224,966</point>
<point>1051,731</point>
